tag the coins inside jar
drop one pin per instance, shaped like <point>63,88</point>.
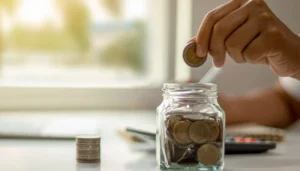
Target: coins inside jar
<point>200,132</point>
<point>173,120</point>
<point>214,129</point>
<point>190,57</point>
<point>178,154</point>
<point>180,132</point>
<point>221,130</point>
<point>208,154</point>
<point>193,140</point>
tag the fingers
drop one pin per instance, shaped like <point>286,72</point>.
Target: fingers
<point>222,29</point>
<point>267,49</point>
<point>244,35</point>
<point>205,30</point>
<point>192,40</point>
<point>256,51</point>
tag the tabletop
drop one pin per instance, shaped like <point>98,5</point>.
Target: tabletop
<point>119,154</point>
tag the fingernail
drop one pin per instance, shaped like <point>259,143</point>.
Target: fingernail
<point>218,63</point>
<point>200,51</point>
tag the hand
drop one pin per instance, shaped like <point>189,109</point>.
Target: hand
<point>250,32</point>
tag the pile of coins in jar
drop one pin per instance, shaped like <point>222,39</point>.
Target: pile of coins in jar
<point>194,141</point>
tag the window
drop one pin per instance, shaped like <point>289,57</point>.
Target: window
<point>59,53</point>
<point>73,41</point>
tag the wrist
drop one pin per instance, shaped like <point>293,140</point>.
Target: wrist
<point>296,76</point>
<point>234,114</point>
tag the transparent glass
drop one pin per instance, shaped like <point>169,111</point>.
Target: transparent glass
<point>190,126</point>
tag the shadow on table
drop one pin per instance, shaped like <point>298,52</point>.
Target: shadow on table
<point>88,167</point>
<point>145,163</point>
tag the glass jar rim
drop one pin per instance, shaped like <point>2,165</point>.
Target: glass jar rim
<point>190,90</point>
<point>190,86</point>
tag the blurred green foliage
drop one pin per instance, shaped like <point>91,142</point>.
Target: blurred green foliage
<point>8,7</point>
<point>128,49</point>
<point>74,35</point>
<point>77,22</point>
<point>114,7</point>
<point>44,39</point>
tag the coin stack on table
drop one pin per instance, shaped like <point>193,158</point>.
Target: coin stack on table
<point>88,148</point>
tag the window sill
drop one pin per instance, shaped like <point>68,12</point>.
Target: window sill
<point>74,98</point>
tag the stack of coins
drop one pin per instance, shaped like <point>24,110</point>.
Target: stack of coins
<point>193,140</point>
<point>88,148</point>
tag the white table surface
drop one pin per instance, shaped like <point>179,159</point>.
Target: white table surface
<point>59,155</point>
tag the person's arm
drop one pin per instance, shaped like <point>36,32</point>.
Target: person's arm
<point>249,32</point>
<point>270,107</point>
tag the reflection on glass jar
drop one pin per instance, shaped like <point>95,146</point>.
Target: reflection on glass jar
<point>190,126</point>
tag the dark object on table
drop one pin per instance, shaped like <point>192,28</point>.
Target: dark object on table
<point>233,144</point>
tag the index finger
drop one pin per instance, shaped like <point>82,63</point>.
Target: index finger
<point>192,40</point>
<point>206,27</point>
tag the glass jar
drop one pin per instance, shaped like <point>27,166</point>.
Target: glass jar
<point>190,128</point>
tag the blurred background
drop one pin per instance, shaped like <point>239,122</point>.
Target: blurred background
<point>109,54</point>
<point>72,41</point>
<point>70,67</point>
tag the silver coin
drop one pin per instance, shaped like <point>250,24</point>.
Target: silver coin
<point>88,160</point>
<point>88,151</point>
<point>88,157</point>
<point>86,139</point>
<point>87,146</point>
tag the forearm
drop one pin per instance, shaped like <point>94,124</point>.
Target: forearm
<point>271,107</point>
<point>297,75</point>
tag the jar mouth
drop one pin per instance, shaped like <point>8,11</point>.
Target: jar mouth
<point>190,89</point>
<point>190,86</point>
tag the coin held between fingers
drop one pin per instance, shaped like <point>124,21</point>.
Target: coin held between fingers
<point>190,55</point>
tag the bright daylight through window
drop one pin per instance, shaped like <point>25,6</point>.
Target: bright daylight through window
<point>95,42</point>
